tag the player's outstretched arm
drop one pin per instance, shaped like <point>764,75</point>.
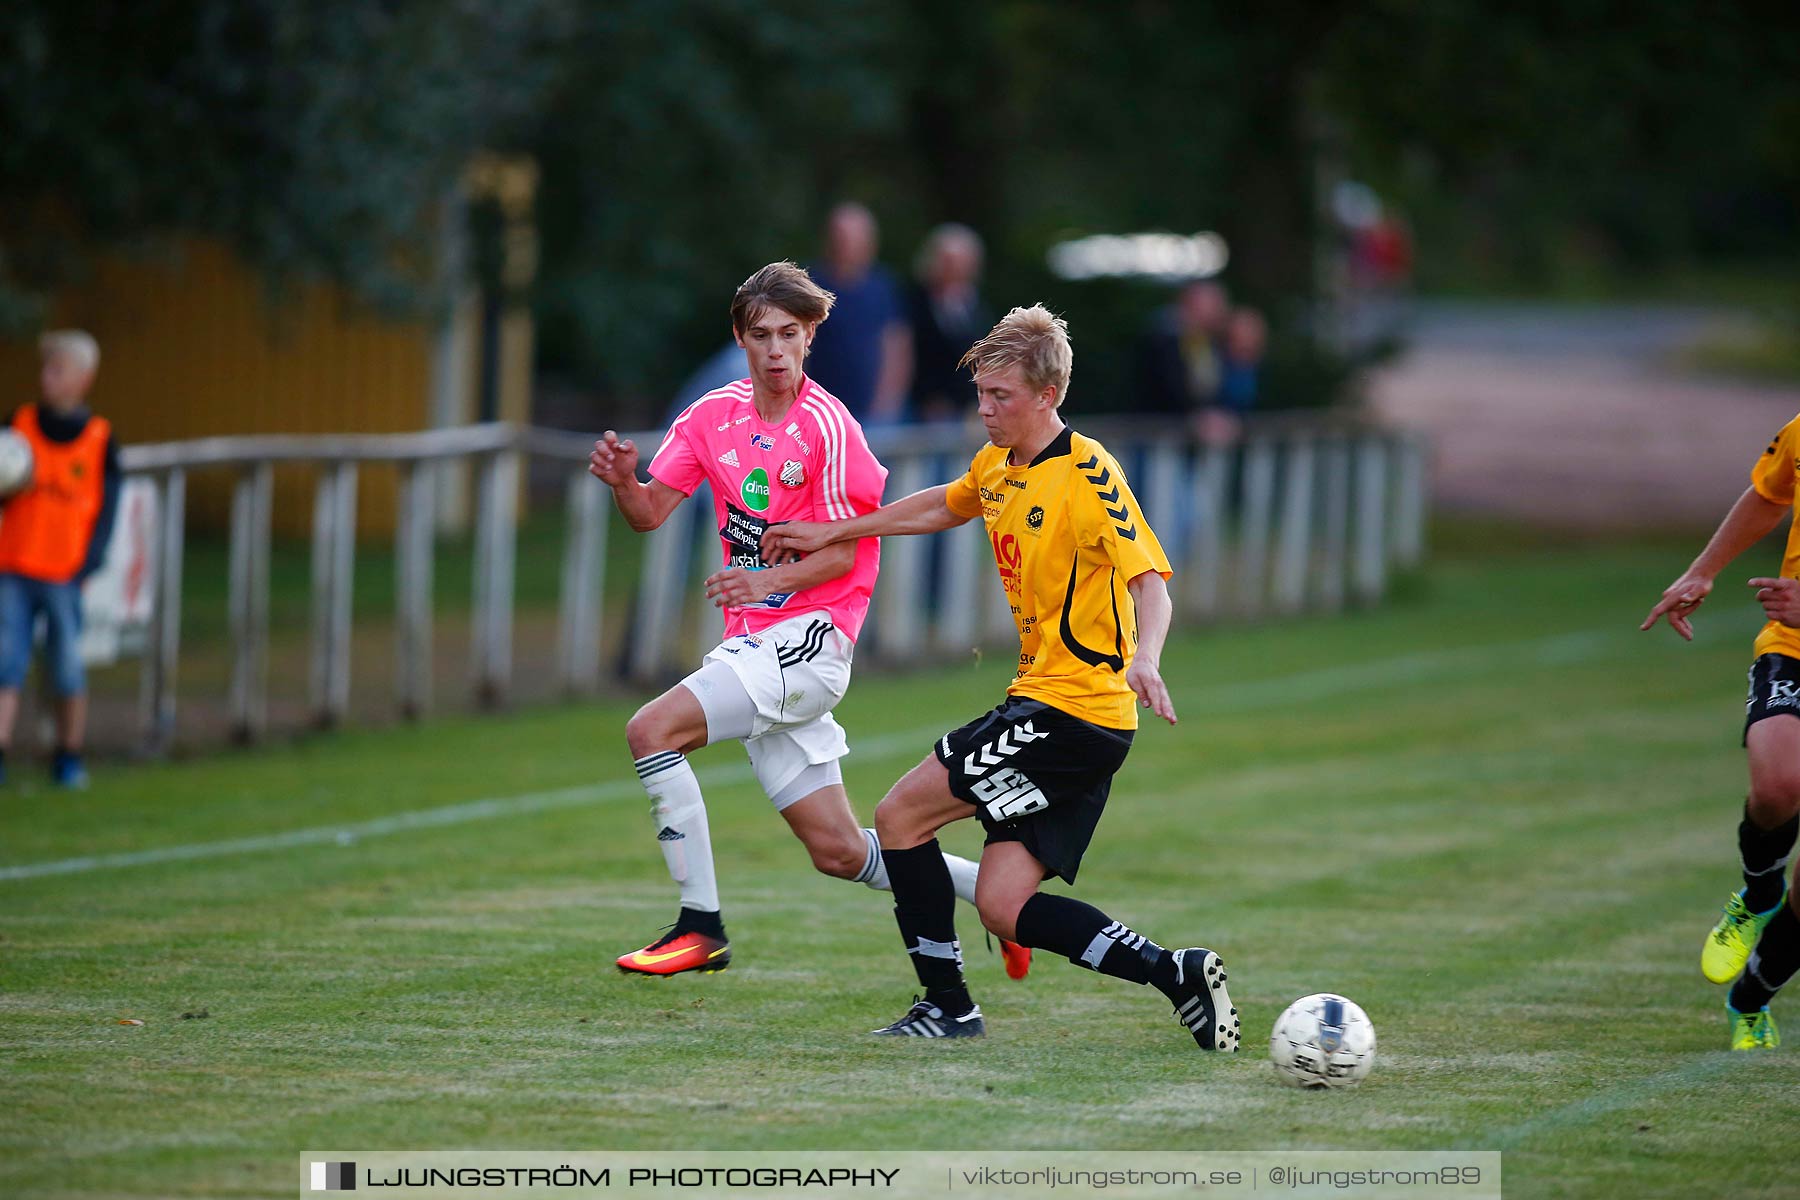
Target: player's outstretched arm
<point>737,586</point>
<point>1151,594</point>
<point>644,506</point>
<point>1748,522</point>
<point>921,512</point>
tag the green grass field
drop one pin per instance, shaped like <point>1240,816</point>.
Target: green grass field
<point>1492,813</point>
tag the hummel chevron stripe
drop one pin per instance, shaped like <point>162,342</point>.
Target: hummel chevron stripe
<point>977,762</point>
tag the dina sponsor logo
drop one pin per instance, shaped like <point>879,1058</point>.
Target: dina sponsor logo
<point>756,490</point>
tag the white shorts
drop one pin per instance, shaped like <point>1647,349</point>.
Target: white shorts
<point>792,674</point>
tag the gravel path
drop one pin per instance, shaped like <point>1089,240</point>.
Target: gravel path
<point>1577,417</point>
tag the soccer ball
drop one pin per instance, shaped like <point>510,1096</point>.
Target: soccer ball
<point>1322,1041</point>
<point>15,462</point>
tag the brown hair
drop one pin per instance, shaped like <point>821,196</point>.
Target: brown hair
<point>1033,339</point>
<point>782,285</point>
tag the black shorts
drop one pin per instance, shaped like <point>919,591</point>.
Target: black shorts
<point>1037,776</point>
<point>1774,690</point>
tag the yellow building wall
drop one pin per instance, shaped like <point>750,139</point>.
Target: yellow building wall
<point>192,344</point>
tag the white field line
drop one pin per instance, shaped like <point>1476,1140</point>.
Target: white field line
<point>1616,1098</point>
<point>1424,667</point>
<point>432,818</point>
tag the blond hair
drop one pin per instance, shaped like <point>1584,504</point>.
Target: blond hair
<point>784,285</point>
<point>77,344</point>
<point>1033,339</point>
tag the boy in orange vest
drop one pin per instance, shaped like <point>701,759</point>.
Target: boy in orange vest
<point>53,534</point>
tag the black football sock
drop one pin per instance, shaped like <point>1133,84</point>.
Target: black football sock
<point>1765,855</point>
<point>1089,938</point>
<point>693,920</point>
<point>925,908</point>
<point>1771,964</point>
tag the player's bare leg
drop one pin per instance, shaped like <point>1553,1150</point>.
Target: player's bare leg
<point>999,902</point>
<point>827,828</point>
<point>1759,934</point>
<point>660,735</point>
<point>1765,839</point>
<point>1010,876</point>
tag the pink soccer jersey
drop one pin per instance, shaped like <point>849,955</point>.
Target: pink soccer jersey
<point>812,465</point>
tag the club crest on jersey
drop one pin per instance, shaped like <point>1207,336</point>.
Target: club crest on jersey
<point>1035,518</point>
<point>762,441</point>
<point>793,474</point>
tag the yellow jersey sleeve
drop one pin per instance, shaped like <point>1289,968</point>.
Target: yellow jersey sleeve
<point>963,497</point>
<point>1108,517</point>
<point>1773,474</point>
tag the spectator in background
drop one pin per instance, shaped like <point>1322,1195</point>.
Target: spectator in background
<point>863,355</point>
<point>53,535</point>
<point>1240,374</point>
<point>1178,364</point>
<point>948,316</point>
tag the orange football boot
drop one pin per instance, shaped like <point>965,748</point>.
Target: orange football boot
<point>674,953</point>
<point>1017,959</point>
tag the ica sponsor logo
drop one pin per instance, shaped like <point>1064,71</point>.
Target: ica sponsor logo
<point>756,490</point>
<point>1006,557</point>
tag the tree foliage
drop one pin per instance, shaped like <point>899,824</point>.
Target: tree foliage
<point>684,142</point>
<point>313,137</point>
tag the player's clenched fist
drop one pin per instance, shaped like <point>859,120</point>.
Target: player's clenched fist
<point>1780,599</point>
<point>784,541</point>
<point>613,462</point>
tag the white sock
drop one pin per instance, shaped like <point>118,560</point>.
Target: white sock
<point>874,873</point>
<point>680,815</point>
<point>962,875</point>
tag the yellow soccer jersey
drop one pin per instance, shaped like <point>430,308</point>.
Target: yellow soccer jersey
<point>1773,478</point>
<point>1067,536</point>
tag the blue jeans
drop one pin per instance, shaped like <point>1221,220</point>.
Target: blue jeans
<point>21,600</point>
